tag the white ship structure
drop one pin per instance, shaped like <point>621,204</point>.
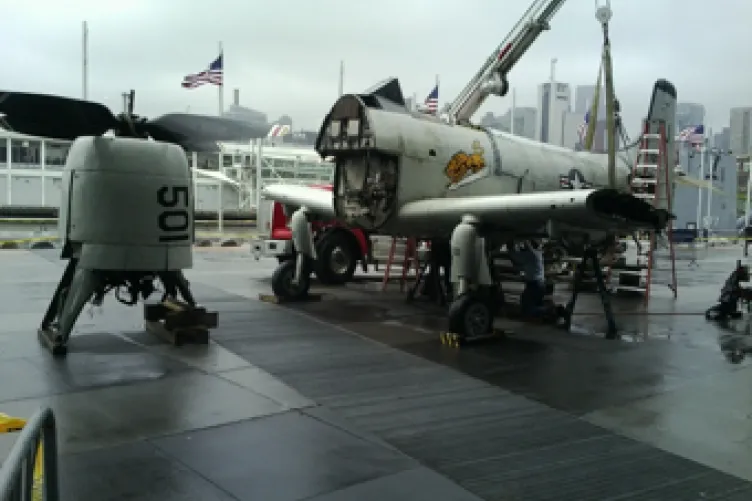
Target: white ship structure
<point>225,180</point>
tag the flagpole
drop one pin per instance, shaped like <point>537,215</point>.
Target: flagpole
<point>514,106</point>
<point>551,99</point>
<point>221,86</point>
<point>341,78</point>
<point>699,192</point>
<point>706,149</point>
<point>85,61</point>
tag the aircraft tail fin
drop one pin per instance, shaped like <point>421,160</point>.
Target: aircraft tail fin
<point>663,111</point>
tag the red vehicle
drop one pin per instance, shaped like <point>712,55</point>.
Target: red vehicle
<point>339,249</point>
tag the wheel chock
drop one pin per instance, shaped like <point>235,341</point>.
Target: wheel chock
<point>453,340</point>
<point>10,424</point>
<point>271,298</point>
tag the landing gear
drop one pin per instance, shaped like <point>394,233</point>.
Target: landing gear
<point>336,258</point>
<point>472,311</point>
<point>284,284</point>
<point>470,317</point>
<point>292,279</point>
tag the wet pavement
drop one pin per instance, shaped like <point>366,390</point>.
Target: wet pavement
<point>299,402</point>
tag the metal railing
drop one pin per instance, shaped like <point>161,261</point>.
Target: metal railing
<point>21,475</point>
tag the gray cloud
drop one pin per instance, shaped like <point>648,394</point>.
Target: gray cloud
<point>284,56</point>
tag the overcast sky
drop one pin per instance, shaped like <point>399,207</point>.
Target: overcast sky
<point>284,56</point>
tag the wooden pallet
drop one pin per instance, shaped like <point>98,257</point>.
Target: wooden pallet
<point>179,323</point>
<point>271,298</point>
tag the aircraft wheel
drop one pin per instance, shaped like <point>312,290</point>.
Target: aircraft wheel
<point>336,259</point>
<point>283,286</point>
<point>735,356</point>
<point>470,317</point>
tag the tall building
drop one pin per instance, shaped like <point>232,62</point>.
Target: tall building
<point>722,140</point>
<point>723,207</point>
<point>525,121</point>
<point>688,115</point>
<point>740,135</point>
<point>583,100</point>
<point>551,116</point>
<point>570,137</point>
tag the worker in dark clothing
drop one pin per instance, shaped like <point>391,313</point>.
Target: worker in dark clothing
<point>529,259</point>
<point>439,270</point>
<point>732,294</point>
<point>747,239</point>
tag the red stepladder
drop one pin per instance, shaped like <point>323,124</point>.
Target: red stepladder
<point>652,180</point>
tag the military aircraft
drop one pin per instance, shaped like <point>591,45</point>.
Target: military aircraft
<point>403,173</point>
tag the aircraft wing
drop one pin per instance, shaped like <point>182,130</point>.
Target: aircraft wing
<point>216,176</point>
<point>318,201</point>
<point>594,209</point>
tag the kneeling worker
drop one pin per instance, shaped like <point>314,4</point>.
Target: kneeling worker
<point>529,259</point>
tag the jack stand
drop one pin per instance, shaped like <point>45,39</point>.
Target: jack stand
<point>428,276</point>
<point>79,284</point>
<point>591,258</point>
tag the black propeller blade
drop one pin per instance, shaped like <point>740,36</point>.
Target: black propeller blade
<point>66,118</point>
<point>54,116</point>
<point>184,128</point>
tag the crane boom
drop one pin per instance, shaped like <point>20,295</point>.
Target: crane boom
<point>491,79</point>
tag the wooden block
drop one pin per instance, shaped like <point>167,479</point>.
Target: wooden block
<point>271,298</point>
<point>154,312</point>
<point>176,315</point>
<point>179,336</point>
<point>179,323</point>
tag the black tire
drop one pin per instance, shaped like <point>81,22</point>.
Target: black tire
<point>282,282</point>
<point>282,259</point>
<point>42,245</point>
<point>470,317</point>
<point>337,258</point>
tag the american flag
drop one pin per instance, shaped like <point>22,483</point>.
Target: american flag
<point>693,134</point>
<point>212,75</point>
<point>278,130</point>
<point>432,101</point>
<point>582,129</point>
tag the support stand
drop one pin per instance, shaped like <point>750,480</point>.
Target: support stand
<point>79,285</point>
<point>590,258</point>
<point>429,276</point>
